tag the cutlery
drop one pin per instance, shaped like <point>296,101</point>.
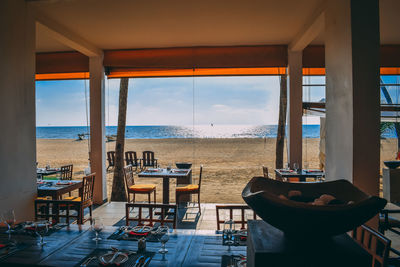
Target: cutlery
<point>87,261</point>
<point>146,261</point>
<point>137,263</point>
<point>114,257</point>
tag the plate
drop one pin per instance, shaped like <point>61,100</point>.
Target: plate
<point>141,229</point>
<point>121,258</point>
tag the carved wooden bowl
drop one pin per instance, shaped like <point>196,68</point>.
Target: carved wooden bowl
<point>304,220</point>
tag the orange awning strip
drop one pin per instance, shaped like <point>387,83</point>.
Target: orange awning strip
<point>62,76</point>
<point>140,73</point>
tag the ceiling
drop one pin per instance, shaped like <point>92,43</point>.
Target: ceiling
<point>129,24</point>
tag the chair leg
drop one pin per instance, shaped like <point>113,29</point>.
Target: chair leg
<point>148,195</point>
<point>90,213</point>
<point>133,197</point>
<point>129,197</point>
<point>198,199</point>
<point>155,196</point>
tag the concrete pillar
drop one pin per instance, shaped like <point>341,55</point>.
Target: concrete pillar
<point>295,108</point>
<point>17,109</point>
<point>352,92</point>
<point>97,128</point>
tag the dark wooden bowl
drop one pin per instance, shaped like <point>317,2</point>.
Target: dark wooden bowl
<point>303,220</point>
<point>392,164</point>
<point>183,165</point>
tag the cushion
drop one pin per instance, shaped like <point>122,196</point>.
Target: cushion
<point>73,198</point>
<point>190,187</point>
<point>44,198</point>
<point>142,187</point>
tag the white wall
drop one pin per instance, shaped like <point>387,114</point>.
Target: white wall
<point>352,92</point>
<point>17,108</point>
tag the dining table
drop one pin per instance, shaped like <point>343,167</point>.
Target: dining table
<point>56,188</point>
<point>302,174</point>
<point>40,172</point>
<point>71,245</point>
<point>183,176</point>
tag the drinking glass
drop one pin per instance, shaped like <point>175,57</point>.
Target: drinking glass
<point>9,219</point>
<point>164,239</point>
<point>287,166</point>
<point>296,166</point>
<point>97,227</point>
<point>41,228</point>
<point>306,165</point>
<point>229,228</point>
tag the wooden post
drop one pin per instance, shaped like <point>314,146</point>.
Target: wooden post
<point>280,138</point>
<point>118,189</point>
<point>97,129</point>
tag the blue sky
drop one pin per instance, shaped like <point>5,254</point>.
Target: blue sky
<point>168,101</point>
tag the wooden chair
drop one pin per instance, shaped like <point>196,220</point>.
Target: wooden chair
<point>148,159</point>
<point>111,159</point>
<point>377,245</point>
<point>231,208</point>
<point>189,190</point>
<point>66,172</point>
<point>265,172</point>
<point>131,159</point>
<point>156,213</point>
<point>53,210</point>
<point>132,188</point>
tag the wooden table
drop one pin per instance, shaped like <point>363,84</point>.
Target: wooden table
<point>56,191</point>
<point>184,176</point>
<point>40,172</point>
<point>69,246</point>
<point>302,174</point>
<point>267,244</point>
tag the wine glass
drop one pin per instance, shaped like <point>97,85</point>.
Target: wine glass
<point>164,239</point>
<point>97,227</point>
<point>41,228</point>
<point>296,167</point>
<point>9,219</point>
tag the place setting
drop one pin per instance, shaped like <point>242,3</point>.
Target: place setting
<point>124,257</point>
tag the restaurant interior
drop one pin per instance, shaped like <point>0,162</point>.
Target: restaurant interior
<point>340,218</point>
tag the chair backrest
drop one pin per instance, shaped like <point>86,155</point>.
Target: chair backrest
<point>66,172</point>
<point>131,158</point>
<point>237,218</point>
<point>111,158</point>
<point>265,171</point>
<point>88,186</point>
<point>128,176</point>
<point>377,245</point>
<point>200,175</point>
<point>148,158</point>
<point>146,213</point>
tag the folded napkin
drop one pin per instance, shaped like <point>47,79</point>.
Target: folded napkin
<point>63,183</point>
<point>3,246</point>
<point>138,234</point>
<point>314,171</point>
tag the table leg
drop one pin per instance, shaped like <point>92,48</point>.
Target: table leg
<point>166,190</point>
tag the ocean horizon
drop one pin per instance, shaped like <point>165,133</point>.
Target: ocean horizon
<point>170,131</point>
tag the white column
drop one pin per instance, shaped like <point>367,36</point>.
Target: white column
<point>295,108</point>
<point>352,92</point>
<point>17,109</point>
<point>97,128</point>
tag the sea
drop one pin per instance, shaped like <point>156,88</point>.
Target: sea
<point>197,131</point>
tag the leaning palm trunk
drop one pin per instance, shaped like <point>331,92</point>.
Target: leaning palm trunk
<point>280,138</point>
<point>118,189</point>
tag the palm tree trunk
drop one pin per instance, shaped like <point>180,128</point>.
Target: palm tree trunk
<point>118,188</point>
<point>280,138</point>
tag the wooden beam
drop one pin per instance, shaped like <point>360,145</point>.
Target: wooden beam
<point>310,30</point>
<point>66,36</point>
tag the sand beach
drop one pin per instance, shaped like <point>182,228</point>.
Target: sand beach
<point>229,163</point>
